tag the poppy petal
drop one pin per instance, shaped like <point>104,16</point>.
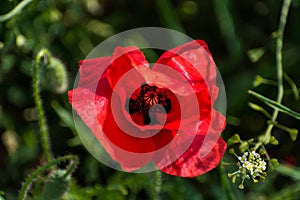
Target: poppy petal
<point>124,60</point>
<point>93,111</point>
<point>106,84</point>
<point>194,61</point>
<point>203,154</point>
<point>92,75</point>
<point>190,165</point>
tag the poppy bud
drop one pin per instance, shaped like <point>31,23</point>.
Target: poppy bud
<point>54,76</point>
<point>57,184</point>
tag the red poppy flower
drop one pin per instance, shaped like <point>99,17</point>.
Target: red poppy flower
<point>162,114</point>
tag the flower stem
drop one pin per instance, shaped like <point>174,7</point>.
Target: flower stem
<point>227,191</point>
<point>31,178</point>
<point>14,11</point>
<point>43,54</point>
<point>157,185</point>
<point>279,44</point>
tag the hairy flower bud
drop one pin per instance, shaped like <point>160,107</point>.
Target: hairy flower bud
<point>57,184</point>
<point>54,76</point>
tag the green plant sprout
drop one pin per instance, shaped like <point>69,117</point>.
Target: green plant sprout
<point>255,162</point>
<point>57,183</point>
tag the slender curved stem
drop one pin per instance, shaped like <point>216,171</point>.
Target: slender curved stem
<point>157,185</point>
<point>31,178</point>
<point>71,168</point>
<point>14,11</point>
<point>38,102</point>
<point>279,44</point>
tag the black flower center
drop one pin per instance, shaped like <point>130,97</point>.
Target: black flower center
<point>150,102</point>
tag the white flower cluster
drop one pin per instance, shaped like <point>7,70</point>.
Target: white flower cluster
<point>252,163</point>
<point>251,166</point>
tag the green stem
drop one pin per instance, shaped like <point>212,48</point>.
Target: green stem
<point>269,82</point>
<point>227,191</point>
<point>38,102</point>
<point>71,168</point>
<point>14,11</point>
<point>260,109</point>
<point>289,171</point>
<point>157,185</point>
<point>279,44</point>
<point>32,177</point>
<point>275,105</point>
<point>266,152</point>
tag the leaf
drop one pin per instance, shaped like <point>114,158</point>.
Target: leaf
<point>290,192</point>
<point>258,81</point>
<point>274,141</point>
<point>227,27</point>
<point>290,171</point>
<point>1,195</point>
<point>244,146</point>
<point>168,15</point>
<point>234,139</point>
<point>293,134</point>
<point>276,105</point>
<point>65,115</point>
<point>274,161</point>
<point>255,54</point>
<point>57,184</point>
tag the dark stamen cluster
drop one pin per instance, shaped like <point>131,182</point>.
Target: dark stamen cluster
<point>148,97</point>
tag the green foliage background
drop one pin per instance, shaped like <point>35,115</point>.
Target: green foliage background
<point>240,35</point>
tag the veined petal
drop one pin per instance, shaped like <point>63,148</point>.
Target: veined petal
<point>92,75</point>
<point>93,111</point>
<point>123,61</point>
<point>191,165</point>
<point>194,61</point>
<point>188,144</point>
<point>199,156</point>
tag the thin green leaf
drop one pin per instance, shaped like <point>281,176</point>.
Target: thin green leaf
<point>168,15</point>
<point>276,105</point>
<point>291,192</point>
<point>290,171</point>
<point>65,115</point>
<point>227,27</point>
